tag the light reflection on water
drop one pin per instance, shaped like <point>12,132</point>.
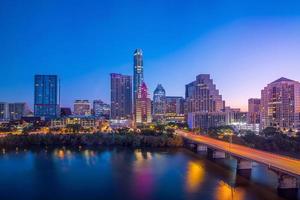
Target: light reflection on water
<point>226,192</point>
<point>194,176</point>
<point>122,174</point>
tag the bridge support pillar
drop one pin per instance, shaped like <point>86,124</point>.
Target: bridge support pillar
<point>215,154</point>
<point>192,147</point>
<point>244,168</point>
<point>287,186</point>
<point>201,148</point>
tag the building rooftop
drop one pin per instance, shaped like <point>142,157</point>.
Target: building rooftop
<point>282,79</point>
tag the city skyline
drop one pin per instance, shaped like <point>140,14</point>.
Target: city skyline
<point>252,45</point>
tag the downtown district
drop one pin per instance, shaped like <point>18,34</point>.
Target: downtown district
<point>131,106</point>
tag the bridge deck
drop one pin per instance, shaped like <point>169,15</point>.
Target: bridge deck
<point>282,163</point>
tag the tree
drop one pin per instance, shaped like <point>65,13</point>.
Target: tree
<point>270,131</point>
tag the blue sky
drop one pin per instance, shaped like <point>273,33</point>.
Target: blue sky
<point>243,45</point>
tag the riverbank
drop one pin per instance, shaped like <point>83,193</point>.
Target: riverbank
<point>90,140</point>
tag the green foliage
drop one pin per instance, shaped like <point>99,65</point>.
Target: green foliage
<point>271,131</point>
<point>98,139</point>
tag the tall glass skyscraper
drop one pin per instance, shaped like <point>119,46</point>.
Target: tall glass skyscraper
<point>121,96</point>
<point>159,102</point>
<point>138,74</point>
<point>46,96</point>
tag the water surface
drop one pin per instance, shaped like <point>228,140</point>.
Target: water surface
<point>120,173</point>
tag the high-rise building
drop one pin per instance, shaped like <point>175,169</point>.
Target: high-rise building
<point>159,103</point>
<point>4,113</point>
<point>101,109</point>
<point>235,116</point>
<point>17,110</point>
<point>253,116</point>
<point>204,103</point>
<point>46,96</point>
<point>280,105</point>
<point>174,105</point>
<point>82,107</point>
<point>121,96</point>
<point>138,74</point>
<point>175,109</point>
<point>143,106</point>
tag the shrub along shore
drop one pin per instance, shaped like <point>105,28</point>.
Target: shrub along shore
<point>90,140</point>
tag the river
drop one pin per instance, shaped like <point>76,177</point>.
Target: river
<point>121,173</point>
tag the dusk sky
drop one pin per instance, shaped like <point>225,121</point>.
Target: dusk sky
<point>244,45</point>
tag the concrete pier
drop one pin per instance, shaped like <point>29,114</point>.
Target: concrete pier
<point>244,168</point>
<point>287,186</point>
<point>215,154</point>
<point>201,148</point>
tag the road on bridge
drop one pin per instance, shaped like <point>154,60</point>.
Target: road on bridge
<point>282,163</point>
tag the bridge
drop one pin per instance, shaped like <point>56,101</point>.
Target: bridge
<point>287,169</point>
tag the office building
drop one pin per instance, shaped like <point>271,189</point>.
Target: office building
<point>82,108</point>
<point>235,116</point>
<point>175,109</point>
<point>121,96</point>
<point>46,96</point>
<point>280,105</point>
<point>101,109</point>
<point>205,107</point>
<point>143,106</point>
<point>18,110</point>
<point>253,111</point>
<point>159,103</point>
<point>138,74</point>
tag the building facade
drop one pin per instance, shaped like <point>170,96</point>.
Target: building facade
<point>82,108</point>
<point>101,109</point>
<point>143,106</point>
<point>121,96</point>
<point>205,107</point>
<point>138,74</point>
<point>159,103</point>
<point>234,116</point>
<point>280,105</point>
<point>175,109</point>
<point>4,113</point>
<point>253,116</point>
<point>18,110</point>
<point>46,96</point>
<point>84,122</point>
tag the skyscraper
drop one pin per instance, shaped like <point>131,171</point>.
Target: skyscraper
<point>204,103</point>
<point>121,96</point>
<point>138,74</point>
<point>253,116</point>
<point>280,105</point>
<point>46,96</point>
<point>159,102</point>
<point>143,106</point>
<point>82,107</point>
